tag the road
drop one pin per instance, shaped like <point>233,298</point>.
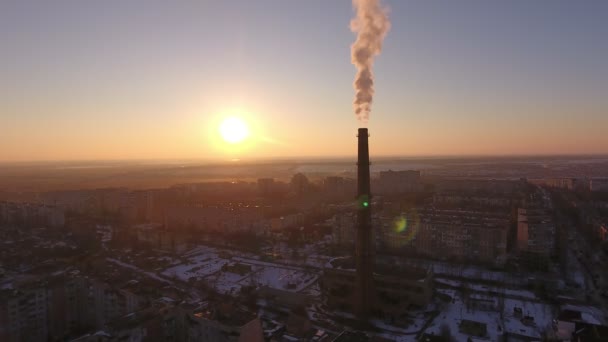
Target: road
<point>593,265</point>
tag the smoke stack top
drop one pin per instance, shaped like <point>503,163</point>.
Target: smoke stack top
<point>363,175</point>
<point>371,24</point>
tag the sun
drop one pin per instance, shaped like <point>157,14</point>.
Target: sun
<point>234,130</point>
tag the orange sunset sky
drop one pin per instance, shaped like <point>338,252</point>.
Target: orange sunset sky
<point>82,81</point>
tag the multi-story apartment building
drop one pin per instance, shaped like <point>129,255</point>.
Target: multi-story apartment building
<point>599,184</point>
<point>456,199</point>
<point>343,229</point>
<point>31,214</point>
<point>344,232</point>
<point>110,302</point>
<point>156,235</point>
<point>391,182</point>
<point>23,314</point>
<point>536,233</point>
<point>68,306</point>
<point>53,307</point>
<point>266,186</point>
<point>458,234</point>
<point>216,218</point>
<point>479,186</point>
<point>335,186</point>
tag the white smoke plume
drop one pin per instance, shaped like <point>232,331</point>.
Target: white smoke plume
<point>371,24</point>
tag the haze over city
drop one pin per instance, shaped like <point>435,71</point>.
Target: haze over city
<point>115,80</point>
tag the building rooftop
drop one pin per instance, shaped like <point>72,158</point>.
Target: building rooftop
<point>464,217</point>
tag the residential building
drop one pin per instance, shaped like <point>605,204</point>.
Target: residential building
<point>266,186</point>
<point>391,182</point>
<point>599,184</point>
<point>215,218</point>
<point>479,236</point>
<point>23,314</point>
<point>479,186</point>
<point>31,214</point>
<point>536,236</point>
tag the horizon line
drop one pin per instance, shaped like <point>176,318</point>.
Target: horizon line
<point>302,158</point>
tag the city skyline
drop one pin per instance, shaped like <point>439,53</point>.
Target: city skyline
<point>127,81</point>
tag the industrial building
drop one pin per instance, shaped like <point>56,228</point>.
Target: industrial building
<point>396,289</point>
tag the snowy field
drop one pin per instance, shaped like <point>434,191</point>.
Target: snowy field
<point>497,321</point>
<point>228,273</point>
<point>543,314</point>
<point>284,279</point>
<point>199,266</point>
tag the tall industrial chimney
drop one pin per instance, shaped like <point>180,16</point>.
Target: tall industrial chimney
<point>364,244</point>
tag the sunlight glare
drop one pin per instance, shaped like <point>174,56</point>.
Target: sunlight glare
<point>234,130</point>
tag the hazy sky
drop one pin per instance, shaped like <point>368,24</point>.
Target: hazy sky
<point>153,79</point>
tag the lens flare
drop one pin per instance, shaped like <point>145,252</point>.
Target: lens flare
<point>363,201</point>
<point>406,227</point>
<point>400,224</point>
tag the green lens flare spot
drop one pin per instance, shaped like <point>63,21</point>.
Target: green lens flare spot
<point>363,201</point>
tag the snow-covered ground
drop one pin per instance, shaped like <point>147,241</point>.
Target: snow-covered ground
<point>225,282</point>
<point>228,271</point>
<point>542,314</point>
<point>453,314</point>
<point>284,279</point>
<point>200,265</point>
<point>498,321</point>
<point>317,260</point>
<point>314,290</point>
<point>214,266</point>
<point>486,288</point>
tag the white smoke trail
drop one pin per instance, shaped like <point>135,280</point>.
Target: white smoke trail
<point>371,24</point>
